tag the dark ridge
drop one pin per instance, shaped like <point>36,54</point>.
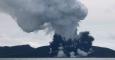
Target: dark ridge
<point>101,52</point>
<point>25,51</point>
<point>16,51</point>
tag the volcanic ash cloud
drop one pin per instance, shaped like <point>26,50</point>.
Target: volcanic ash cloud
<point>62,16</point>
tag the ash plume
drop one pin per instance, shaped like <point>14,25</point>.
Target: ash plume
<point>63,16</point>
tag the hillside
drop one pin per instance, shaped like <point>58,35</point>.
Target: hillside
<point>25,51</point>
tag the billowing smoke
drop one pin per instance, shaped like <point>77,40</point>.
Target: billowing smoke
<point>62,16</point>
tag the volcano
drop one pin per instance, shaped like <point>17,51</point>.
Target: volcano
<point>56,50</point>
<point>25,51</point>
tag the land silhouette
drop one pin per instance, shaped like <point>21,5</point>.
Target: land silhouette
<point>25,51</point>
<point>77,48</point>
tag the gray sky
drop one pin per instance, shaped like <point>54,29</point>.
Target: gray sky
<point>100,22</point>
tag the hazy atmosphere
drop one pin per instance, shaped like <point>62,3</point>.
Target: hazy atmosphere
<point>100,22</point>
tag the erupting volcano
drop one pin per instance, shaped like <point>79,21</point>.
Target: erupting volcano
<point>60,16</point>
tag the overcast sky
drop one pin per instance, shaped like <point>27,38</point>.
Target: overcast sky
<point>100,22</point>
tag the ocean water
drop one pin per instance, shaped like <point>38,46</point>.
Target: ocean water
<point>58,58</point>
